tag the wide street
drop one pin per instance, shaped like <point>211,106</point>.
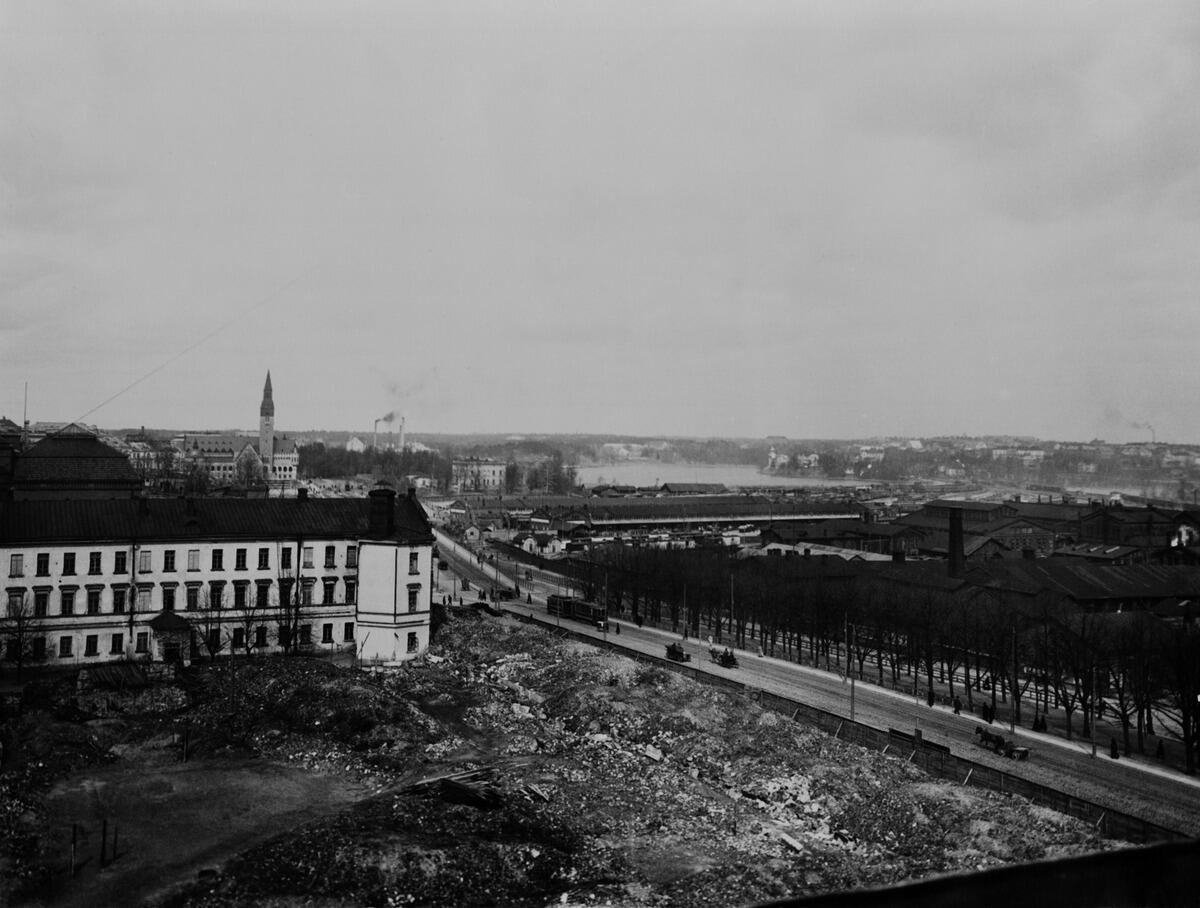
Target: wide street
<point>1138,788</point>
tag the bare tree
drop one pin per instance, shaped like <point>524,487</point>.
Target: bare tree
<point>291,595</point>
<point>209,621</point>
<point>20,626</point>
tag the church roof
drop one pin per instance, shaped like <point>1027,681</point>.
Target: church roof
<point>268,404</point>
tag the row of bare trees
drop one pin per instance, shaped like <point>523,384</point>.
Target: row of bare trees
<point>1035,652</point>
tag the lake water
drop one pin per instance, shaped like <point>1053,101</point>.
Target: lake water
<point>655,473</point>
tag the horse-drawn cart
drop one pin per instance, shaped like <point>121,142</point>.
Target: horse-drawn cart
<point>676,654</point>
<point>724,658</point>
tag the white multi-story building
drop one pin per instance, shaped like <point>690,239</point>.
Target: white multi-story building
<point>95,581</point>
<point>474,474</point>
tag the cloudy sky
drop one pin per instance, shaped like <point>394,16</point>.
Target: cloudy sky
<point>830,218</point>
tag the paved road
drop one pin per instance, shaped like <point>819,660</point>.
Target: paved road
<point>1157,795</point>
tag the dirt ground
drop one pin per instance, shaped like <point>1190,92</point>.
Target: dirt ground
<point>509,767</point>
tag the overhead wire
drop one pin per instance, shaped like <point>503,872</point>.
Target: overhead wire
<point>268,298</point>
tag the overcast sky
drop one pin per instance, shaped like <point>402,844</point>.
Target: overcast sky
<point>813,219</point>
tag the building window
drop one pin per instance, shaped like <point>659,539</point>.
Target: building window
<point>91,645</point>
<point>285,559</point>
<point>239,595</point>
<point>413,563</point>
<point>262,595</point>
<point>330,556</point>
<point>169,561</point>
<point>143,643</point>
<point>330,591</point>
<point>348,632</point>
<point>16,566</point>
<point>239,560</point>
<point>285,636</point>
<point>214,640</point>
<point>93,602</point>
<point>285,590</point>
<point>68,564</point>
<point>118,644</point>
<point>308,556</point>
<point>351,591</point>
<point>412,643</point>
<point>120,562</point>
<point>192,600</point>
<point>260,636</point>
<point>64,647</point>
<point>39,648</point>
<point>413,592</point>
<point>306,593</point>
<point>94,563</point>
<point>41,603</point>
<point>168,598</point>
<point>193,559</point>
<point>239,638</point>
<point>43,564</point>
<point>351,556</point>
<point>264,559</point>
<point>215,591</point>
<point>68,602</point>
<point>305,634</point>
<point>326,633</point>
<point>119,601</point>
<point>144,562</point>
<point>218,559</point>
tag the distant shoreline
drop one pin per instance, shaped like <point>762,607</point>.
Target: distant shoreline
<point>646,473</point>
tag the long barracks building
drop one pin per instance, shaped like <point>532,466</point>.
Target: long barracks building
<point>162,579</point>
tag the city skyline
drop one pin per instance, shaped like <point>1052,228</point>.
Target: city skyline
<point>825,220</point>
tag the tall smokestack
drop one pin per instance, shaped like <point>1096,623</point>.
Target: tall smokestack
<point>958,557</point>
<point>402,434</point>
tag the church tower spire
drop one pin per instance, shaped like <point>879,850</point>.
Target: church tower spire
<point>266,431</point>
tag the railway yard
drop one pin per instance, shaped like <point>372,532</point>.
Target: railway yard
<point>513,765</point>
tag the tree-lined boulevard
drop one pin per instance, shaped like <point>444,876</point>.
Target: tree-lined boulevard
<point>1133,786</point>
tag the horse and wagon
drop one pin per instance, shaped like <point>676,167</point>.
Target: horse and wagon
<point>997,743</point>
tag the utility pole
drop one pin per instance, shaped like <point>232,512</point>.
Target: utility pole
<point>850,672</point>
<point>1012,716</point>
<point>1092,709</point>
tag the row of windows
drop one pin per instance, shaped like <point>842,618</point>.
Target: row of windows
<point>196,596</point>
<point>237,641</point>
<point>145,561</point>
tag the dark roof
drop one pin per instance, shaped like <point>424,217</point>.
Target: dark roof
<point>694,488</point>
<point>1122,514</point>
<point>1085,581</point>
<point>1049,512</point>
<point>74,460</point>
<point>956,505</point>
<point>97,520</point>
<point>1096,551</point>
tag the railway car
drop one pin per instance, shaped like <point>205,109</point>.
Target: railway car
<point>575,609</point>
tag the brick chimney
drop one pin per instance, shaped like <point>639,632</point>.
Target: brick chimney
<point>382,517</point>
<point>958,557</point>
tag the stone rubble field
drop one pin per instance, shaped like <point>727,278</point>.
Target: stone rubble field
<point>512,766</point>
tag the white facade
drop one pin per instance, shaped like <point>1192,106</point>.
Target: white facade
<point>393,614</point>
<point>476,475</point>
<point>128,599</point>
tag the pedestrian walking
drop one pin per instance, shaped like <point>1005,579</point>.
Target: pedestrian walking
<point>957,706</point>
<point>929,697</point>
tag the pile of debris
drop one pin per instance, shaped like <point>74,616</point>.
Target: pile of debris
<point>514,767</point>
